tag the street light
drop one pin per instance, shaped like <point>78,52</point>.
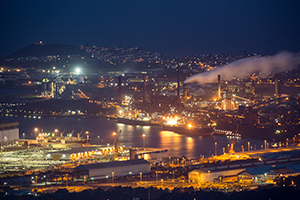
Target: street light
<point>23,135</point>
<point>265,144</point>
<point>114,134</point>
<point>141,176</point>
<point>248,146</point>
<point>113,176</point>
<point>55,132</point>
<point>87,136</point>
<point>216,148</point>
<point>66,180</point>
<point>144,139</point>
<point>98,139</point>
<point>173,179</point>
<point>36,129</point>
<point>293,140</point>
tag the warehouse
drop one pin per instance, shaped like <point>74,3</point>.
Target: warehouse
<point>258,174</point>
<point>263,174</point>
<point>9,133</point>
<point>112,169</point>
<point>203,176</point>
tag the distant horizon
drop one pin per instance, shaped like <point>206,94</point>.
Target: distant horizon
<point>173,56</point>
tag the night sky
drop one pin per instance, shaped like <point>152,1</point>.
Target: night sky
<point>171,27</point>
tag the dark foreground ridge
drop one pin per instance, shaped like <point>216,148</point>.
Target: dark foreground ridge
<point>119,193</point>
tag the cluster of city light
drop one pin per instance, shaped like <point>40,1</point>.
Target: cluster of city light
<point>25,160</point>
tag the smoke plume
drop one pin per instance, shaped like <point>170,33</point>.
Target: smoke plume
<point>243,67</point>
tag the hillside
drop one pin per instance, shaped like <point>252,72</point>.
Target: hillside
<point>40,50</point>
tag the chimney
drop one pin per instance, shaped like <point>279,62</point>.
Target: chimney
<point>120,89</point>
<point>276,87</point>
<point>69,72</point>
<point>219,87</point>
<point>178,77</point>
<point>185,91</point>
<point>144,95</point>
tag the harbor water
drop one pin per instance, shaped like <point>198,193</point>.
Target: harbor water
<point>177,145</point>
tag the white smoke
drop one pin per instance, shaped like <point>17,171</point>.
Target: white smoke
<point>243,67</point>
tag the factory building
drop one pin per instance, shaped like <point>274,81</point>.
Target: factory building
<point>112,169</point>
<point>202,176</point>
<point>228,104</point>
<point>264,174</point>
<point>9,133</point>
<point>258,174</point>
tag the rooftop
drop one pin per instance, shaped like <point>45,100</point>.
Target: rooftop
<point>113,164</point>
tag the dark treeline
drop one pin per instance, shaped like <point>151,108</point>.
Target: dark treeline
<point>120,193</point>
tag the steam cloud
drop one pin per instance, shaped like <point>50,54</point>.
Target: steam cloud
<point>243,67</point>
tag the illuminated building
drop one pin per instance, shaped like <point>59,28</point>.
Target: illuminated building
<point>249,172</point>
<point>113,169</point>
<point>9,133</point>
<point>203,176</point>
<point>79,153</point>
<point>228,104</point>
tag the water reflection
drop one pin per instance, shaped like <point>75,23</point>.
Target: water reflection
<point>178,145</point>
<point>170,140</point>
<point>190,144</point>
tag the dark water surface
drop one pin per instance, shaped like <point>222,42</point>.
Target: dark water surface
<point>178,145</point>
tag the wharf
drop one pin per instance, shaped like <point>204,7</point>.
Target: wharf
<point>146,150</point>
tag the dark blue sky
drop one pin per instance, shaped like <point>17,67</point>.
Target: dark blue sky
<point>171,27</point>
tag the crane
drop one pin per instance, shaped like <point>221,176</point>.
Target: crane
<point>234,138</point>
<point>116,145</point>
<point>63,132</point>
<point>70,134</point>
<point>79,134</point>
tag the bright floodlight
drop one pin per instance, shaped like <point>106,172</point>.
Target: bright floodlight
<point>171,121</point>
<point>77,70</point>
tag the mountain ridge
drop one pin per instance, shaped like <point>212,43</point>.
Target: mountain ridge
<point>41,50</point>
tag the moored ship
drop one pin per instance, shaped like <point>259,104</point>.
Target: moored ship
<point>190,131</point>
<point>133,121</point>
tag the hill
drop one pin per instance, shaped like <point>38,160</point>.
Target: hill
<point>40,50</point>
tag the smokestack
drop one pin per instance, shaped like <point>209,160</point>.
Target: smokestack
<point>56,90</point>
<point>276,87</point>
<point>69,72</point>
<point>219,87</point>
<point>120,89</point>
<point>185,91</point>
<point>252,94</point>
<point>144,95</point>
<point>178,81</point>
